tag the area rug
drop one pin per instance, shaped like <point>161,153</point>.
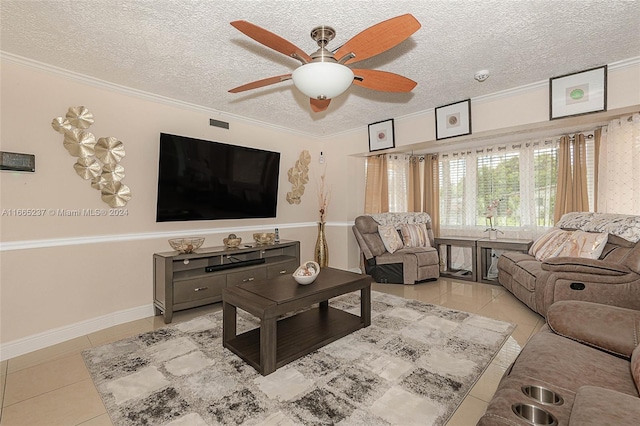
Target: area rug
<point>412,366</point>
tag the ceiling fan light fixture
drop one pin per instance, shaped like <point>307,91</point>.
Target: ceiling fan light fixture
<point>322,80</point>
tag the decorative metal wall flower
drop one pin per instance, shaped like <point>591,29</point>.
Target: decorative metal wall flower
<point>299,177</point>
<point>97,160</point>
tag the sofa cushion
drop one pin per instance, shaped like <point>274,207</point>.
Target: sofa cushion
<point>583,244</point>
<point>390,238</point>
<point>522,267</point>
<point>584,266</point>
<point>597,406</point>
<point>375,244</point>
<point>415,235</point>
<point>609,328</point>
<point>635,366</point>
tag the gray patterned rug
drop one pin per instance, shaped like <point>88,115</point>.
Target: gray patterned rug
<point>412,366</point>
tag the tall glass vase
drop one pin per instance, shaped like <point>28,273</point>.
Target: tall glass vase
<point>322,250</point>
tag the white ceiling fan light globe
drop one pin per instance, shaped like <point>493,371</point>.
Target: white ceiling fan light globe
<point>322,80</point>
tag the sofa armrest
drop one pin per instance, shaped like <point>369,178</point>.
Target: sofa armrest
<point>599,406</point>
<point>584,266</point>
<point>609,328</point>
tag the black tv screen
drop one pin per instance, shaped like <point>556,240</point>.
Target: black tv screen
<point>204,180</point>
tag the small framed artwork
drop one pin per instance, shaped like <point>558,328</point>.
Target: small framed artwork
<point>453,120</point>
<point>579,93</point>
<point>381,135</point>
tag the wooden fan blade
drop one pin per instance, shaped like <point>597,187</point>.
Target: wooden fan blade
<point>383,81</point>
<point>270,39</point>
<point>318,105</point>
<point>378,38</point>
<point>261,83</point>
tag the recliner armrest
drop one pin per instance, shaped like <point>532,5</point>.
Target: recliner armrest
<point>584,266</point>
<point>609,328</point>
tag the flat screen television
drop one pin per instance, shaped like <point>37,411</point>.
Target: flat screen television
<point>205,180</point>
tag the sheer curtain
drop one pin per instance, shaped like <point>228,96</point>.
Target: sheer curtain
<point>522,176</point>
<point>400,181</point>
<point>619,177</point>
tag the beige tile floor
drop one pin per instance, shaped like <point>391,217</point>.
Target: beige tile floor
<point>52,386</point>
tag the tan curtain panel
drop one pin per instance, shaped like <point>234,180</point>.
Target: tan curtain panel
<point>571,190</point>
<point>579,193</point>
<point>431,194</point>
<point>376,197</point>
<point>414,195</point>
<point>596,164</point>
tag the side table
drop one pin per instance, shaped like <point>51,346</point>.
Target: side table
<point>484,247</point>
<point>445,269</point>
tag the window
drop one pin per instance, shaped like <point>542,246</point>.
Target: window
<point>519,178</point>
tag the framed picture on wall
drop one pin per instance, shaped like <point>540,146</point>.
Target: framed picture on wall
<point>578,93</point>
<point>381,135</point>
<point>453,120</point>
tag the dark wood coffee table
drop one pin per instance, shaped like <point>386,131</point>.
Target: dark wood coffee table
<point>278,342</point>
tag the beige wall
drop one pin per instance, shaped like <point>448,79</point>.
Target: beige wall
<point>54,284</point>
<point>58,272</point>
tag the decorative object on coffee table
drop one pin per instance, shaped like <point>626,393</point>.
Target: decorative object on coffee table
<point>307,272</point>
<point>232,241</point>
<point>187,244</point>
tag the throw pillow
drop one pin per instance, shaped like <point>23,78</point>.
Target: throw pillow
<point>415,235</point>
<point>390,237</point>
<point>549,244</point>
<point>584,244</point>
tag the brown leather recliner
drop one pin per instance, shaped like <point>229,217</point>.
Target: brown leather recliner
<point>408,265</point>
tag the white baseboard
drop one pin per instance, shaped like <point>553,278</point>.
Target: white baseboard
<point>61,334</point>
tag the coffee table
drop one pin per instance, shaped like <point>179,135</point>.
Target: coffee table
<point>279,341</point>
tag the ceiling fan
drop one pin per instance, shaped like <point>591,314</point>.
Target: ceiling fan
<point>324,75</point>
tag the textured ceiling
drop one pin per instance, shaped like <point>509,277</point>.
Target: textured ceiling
<point>186,50</point>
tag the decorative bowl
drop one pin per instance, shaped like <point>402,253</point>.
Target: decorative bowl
<point>232,241</point>
<point>264,237</point>
<point>187,244</point>
<point>307,272</point>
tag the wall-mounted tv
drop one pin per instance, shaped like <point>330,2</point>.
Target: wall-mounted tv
<point>205,180</point>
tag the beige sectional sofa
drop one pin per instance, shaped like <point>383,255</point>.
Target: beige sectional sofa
<point>581,369</point>
<point>613,278</point>
<point>412,262</point>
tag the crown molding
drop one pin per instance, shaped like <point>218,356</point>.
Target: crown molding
<point>148,96</point>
